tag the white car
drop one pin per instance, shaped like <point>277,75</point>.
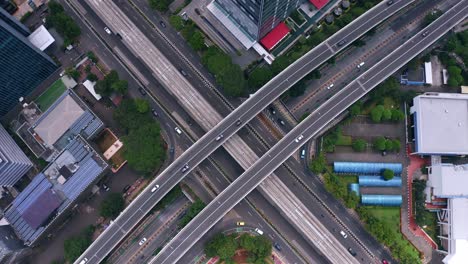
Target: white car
<point>155,188</point>
<point>83,261</point>
<point>107,30</point>
<point>260,232</point>
<point>219,137</point>
<point>142,241</point>
<point>185,168</point>
<point>330,86</point>
<point>299,138</point>
<point>343,234</point>
<point>360,65</point>
<point>178,130</point>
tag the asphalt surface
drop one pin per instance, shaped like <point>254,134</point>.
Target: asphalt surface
<point>181,142</point>
<point>306,130</point>
<point>207,144</point>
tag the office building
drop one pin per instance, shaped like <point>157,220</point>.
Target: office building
<point>13,162</point>
<point>22,66</point>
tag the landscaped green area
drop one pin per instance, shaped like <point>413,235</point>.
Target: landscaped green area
<point>75,245</point>
<point>48,97</point>
<point>388,215</point>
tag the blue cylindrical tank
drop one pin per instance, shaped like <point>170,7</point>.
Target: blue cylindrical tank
<point>378,181</point>
<point>354,187</point>
<point>366,167</point>
<point>382,200</point>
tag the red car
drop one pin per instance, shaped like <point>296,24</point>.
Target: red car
<point>384,261</point>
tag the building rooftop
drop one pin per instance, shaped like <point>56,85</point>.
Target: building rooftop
<point>50,193</point>
<point>275,36</point>
<point>448,180</point>
<point>458,233</point>
<point>41,38</point>
<point>441,123</point>
<point>318,3</point>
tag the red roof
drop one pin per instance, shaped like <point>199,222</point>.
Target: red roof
<point>319,3</point>
<point>275,36</point>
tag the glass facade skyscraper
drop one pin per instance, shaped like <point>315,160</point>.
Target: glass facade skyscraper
<point>257,17</point>
<point>22,66</point>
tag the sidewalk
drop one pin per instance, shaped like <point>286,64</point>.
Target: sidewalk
<point>409,228</point>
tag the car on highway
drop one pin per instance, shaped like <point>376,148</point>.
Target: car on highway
<point>390,2</point>
<point>177,129</point>
<point>142,91</point>
<point>171,150</point>
<point>240,223</point>
<point>281,122</point>
<point>343,234</point>
<point>142,241</point>
<point>259,231</point>
<point>155,113</point>
<point>83,261</point>
<point>299,138</point>
<point>330,86</point>
<point>425,33</point>
<point>277,246</point>
<point>183,72</point>
<point>238,123</point>
<point>185,168</point>
<point>162,24</point>
<point>341,43</point>
<point>107,30</point>
<point>155,188</point>
<point>218,138</point>
<point>360,65</point>
<point>351,251</point>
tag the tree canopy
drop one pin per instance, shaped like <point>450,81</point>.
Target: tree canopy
<point>319,164</point>
<point>112,205</point>
<point>222,246</point>
<point>110,84</point>
<point>388,174</point>
<point>63,23</point>
<point>76,245</point>
<point>258,77</point>
<point>359,145</point>
<point>160,5</point>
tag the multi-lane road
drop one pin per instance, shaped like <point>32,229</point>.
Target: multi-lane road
<point>306,130</point>
<point>205,146</point>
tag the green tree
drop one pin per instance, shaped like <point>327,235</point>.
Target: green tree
<point>247,242</point>
<point>359,145</point>
<point>388,174</point>
<point>92,77</point>
<point>128,117</point>
<point>432,16</point>
<point>222,246</point>
<point>142,105</point>
<point>397,115</point>
<point>76,245</point>
<point>143,148</point>
<point>355,109</point>
<point>193,210</point>
<point>352,200</point>
<point>389,145</point>
<point>92,56</point>
<point>160,5</point>
<point>279,64</point>
<point>258,77</point>
<point>72,73</point>
<point>377,113</point>
<point>396,145</point>
<point>112,205</point>
<point>387,115</point>
<point>319,164</point>
<point>359,43</point>
<point>197,41</point>
<point>177,22</point>
<point>379,143</point>
<point>120,86</point>
<point>233,81</point>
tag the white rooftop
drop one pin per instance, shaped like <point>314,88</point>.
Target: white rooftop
<point>448,180</point>
<point>441,123</point>
<point>458,234</point>
<point>89,85</point>
<point>41,38</point>
<point>59,120</point>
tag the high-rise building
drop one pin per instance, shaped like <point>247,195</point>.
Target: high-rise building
<point>13,162</point>
<point>22,66</point>
<point>256,18</point>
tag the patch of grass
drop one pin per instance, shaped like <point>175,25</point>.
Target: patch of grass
<point>389,103</point>
<point>348,179</point>
<point>344,141</point>
<point>47,98</point>
<point>389,215</point>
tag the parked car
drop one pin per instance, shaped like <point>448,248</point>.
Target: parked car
<point>107,30</point>
<point>343,234</point>
<point>183,72</point>
<point>105,187</point>
<point>126,188</point>
<point>281,122</point>
<point>330,86</point>
<point>360,65</point>
<point>351,251</point>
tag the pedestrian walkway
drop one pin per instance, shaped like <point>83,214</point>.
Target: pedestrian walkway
<point>409,228</point>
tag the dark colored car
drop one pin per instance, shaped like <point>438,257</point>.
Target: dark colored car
<point>118,35</point>
<point>155,113</point>
<point>277,246</point>
<point>341,43</point>
<point>126,188</point>
<point>105,187</point>
<point>142,91</point>
<point>238,123</point>
<point>390,2</point>
<point>162,24</point>
<point>352,252</point>
<point>183,73</point>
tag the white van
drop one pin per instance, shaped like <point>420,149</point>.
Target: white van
<point>260,232</point>
<point>303,153</point>
<point>83,261</point>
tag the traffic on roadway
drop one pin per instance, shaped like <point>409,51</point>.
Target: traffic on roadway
<point>306,130</point>
<point>229,126</point>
